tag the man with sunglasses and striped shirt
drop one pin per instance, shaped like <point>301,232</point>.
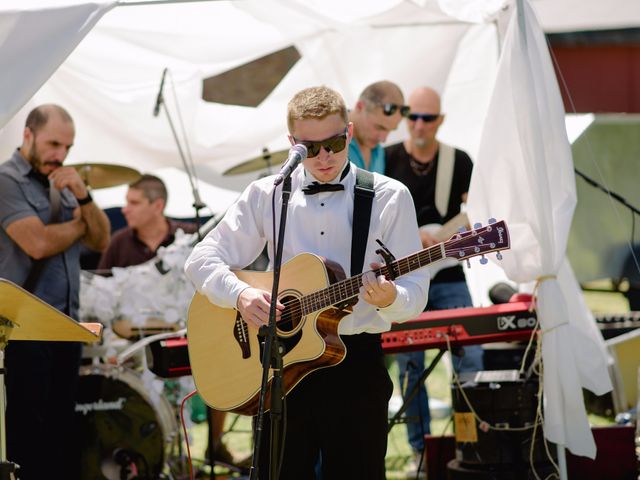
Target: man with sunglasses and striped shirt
<point>378,112</point>
<point>337,413</point>
<point>438,177</point>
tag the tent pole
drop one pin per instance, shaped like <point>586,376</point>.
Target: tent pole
<point>562,462</point>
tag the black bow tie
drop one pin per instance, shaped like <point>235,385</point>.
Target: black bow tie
<point>316,187</point>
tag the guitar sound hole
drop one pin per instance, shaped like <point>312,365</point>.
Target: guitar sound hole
<point>291,315</point>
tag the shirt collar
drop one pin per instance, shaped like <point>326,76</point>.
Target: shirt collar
<point>22,165</point>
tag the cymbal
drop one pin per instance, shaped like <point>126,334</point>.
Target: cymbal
<point>267,159</point>
<point>103,175</point>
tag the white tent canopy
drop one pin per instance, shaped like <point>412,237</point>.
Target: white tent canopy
<point>110,81</point>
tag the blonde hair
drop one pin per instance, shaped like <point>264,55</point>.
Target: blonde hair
<point>317,103</point>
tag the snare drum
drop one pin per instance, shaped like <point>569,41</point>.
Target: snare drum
<point>122,431</point>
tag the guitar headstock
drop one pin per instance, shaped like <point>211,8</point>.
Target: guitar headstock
<point>493,237</point>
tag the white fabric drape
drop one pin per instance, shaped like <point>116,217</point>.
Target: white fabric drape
<point>35,40</point>
<point>524,175</point>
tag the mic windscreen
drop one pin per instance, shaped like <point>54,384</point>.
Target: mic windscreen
<point>501,293</point>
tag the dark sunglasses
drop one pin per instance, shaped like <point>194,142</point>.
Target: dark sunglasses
<point>425,117</point>
<point>334,144</point>
<point>391,108</point>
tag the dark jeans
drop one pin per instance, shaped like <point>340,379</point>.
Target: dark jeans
<point>340,412</point>
<point>411,364</point>
<point>41,392</point>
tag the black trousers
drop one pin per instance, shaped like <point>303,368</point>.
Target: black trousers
<point>41,386</point>
<point>339,412</point>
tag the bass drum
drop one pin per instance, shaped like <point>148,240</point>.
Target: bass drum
<point>122,432</point>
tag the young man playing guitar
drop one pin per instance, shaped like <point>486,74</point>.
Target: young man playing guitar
<point>339,412</point>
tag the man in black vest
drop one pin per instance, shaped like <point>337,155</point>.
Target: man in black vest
<point>438,177</point>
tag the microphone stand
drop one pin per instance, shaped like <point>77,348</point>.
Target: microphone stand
<point>620,200</point>
<point>198,204</point>
<point>614,195</point>
<point>272,360</point>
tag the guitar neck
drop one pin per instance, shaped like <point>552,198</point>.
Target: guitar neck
<point>462,245</point>
<point>350,288</point>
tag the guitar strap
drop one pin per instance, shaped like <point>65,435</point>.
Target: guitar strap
<point>363,194</point>
<point>38,265</point>
<point>444,177</point>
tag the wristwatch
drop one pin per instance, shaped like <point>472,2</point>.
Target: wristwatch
<point>85,200</point>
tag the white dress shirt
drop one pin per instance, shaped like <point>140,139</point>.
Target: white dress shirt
<point>319,224</point>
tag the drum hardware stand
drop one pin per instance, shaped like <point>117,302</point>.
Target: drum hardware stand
<point>189,168</point>
<point>8,470</point>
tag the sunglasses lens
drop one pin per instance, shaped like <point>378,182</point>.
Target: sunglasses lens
<point>312,149</point>
<point>389,108</point>
<point>334,144</point>
<point>404,110</point>
<point>425,117</point>
<point>338,143</point>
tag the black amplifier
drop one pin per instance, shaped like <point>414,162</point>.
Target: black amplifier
<point>169,358</point>
<point>502,399</point>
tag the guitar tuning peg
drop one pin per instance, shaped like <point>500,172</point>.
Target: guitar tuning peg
<point>477,225</point>
<point>461,229</point>
<point>499,256</point>
<point>483,260</point>
<point>492,221</point>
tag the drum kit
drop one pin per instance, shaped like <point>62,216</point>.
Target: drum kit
<point>126,426</point>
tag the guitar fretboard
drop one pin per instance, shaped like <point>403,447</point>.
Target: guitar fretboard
<point>346,289</point>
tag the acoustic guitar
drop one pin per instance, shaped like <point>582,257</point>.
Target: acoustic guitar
<point>226,353</point>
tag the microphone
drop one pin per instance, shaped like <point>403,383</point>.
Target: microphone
<point>501,292</point>
<point>156,107</point>
<point>297,154</point>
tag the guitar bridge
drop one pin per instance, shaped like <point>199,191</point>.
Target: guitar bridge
<point>241,334</point>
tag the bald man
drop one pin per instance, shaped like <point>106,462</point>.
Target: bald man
<point>416,162</point>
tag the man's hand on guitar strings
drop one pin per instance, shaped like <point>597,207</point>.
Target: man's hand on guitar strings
<point>253,304</point>
<point>377,291</point>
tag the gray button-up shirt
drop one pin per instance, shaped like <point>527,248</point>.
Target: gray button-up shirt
<point>22,196</point>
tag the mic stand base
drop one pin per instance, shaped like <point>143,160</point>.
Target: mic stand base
<point>8,471</point>
<point>276,411</point>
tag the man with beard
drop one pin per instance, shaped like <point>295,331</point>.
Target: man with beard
<point>46,211</point>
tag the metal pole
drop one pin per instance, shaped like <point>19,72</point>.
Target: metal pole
<point>123,3</point>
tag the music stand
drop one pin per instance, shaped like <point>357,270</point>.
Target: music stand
<point>24,316</point>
